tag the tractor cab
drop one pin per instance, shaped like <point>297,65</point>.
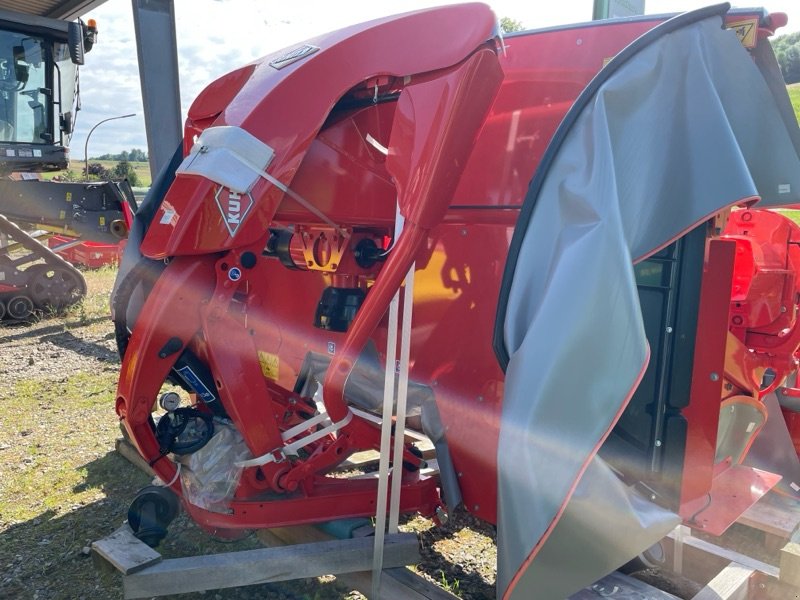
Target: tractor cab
<point>39,61</point>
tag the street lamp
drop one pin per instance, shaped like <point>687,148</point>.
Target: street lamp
<point>86,146</point>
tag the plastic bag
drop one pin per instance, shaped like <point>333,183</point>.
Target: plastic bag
<point>209,476</point>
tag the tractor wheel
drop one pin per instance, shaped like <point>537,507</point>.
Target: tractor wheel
<point>19,307</point>
<point>55,287</point>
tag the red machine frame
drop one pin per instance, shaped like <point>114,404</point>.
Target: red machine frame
<point>222,300</point>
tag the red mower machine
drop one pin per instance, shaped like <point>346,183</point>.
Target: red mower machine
<point>599,320</point>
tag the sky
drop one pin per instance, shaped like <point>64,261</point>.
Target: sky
<point>217,36</point>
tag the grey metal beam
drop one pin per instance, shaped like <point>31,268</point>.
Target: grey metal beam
<point>157,49</point>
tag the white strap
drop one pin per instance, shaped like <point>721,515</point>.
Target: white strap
<point>402,397</point>
<point>386,434</point>
<point>280,454</point>
<point>303,202</point>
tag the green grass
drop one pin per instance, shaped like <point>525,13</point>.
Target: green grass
<point>793,214</point>
<point>794,96</point>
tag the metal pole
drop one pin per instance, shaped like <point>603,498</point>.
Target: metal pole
<point>86,145</point>
<point>157,50</point>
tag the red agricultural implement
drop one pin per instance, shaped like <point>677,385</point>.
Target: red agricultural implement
<point>605,309</point>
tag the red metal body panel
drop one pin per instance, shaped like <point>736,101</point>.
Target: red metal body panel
<point>460,156</point>
<point>702,413</point>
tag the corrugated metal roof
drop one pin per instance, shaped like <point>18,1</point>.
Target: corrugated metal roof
<point>55,9</point>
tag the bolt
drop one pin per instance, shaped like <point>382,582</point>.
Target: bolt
<point>658,443</point>
<point>463,232</point>
<point>460,474</point>
<point>783,309</point>
<point>653,497</point>
<point>476,507</point>
<point>669,329</point>
<point>480,398</point>
<point>714,376</point>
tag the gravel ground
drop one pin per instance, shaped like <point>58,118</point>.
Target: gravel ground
<point>62,484</point>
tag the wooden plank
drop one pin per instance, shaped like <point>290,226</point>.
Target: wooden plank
<point>396,583</point>
<point>774,515</point>
<point>407,581</point>
<point>125,552</point>
<point>618,585</point>
<point>126,449</point>
<point>702,560</point>
<point>265,565</point>
<point>732,583</point>
<point>790,564</point>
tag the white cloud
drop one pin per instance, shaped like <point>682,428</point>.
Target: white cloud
<point>217,36</point>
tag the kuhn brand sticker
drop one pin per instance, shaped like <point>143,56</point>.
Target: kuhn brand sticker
<point>234,208</point>
<point>293,56</point>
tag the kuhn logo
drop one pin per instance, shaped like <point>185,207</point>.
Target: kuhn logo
<point>293,56</point>
<point>234,207</point>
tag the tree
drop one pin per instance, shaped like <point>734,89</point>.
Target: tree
<point>509,25</point>
<point>135,155</point>
<point>786,48</point>
<point>124,170</point>
<point>791,74</point>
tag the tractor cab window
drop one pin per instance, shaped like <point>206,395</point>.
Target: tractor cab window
<point>23,107</point>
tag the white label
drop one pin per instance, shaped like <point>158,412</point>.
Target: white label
<point>166,218</point>
<point>10,152</point>
<point>794,486</point>
<point>750,427</point>
<point>785,188</point>
<point>37,153</point>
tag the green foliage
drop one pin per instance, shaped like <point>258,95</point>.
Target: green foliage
<point>509,25</point>
<point>135,155</point>
<point>124,170</point>
<point>787,51</point>
<point>99,172</point>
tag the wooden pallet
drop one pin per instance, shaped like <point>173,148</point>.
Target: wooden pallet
<point>730,575</point>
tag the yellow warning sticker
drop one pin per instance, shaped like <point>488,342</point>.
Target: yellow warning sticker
<point>68,198</point>
<point>269,364</point>
<point>745,30</point>
<point>102,221</point>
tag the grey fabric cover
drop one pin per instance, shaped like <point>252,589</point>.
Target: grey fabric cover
<point>683,128</point>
